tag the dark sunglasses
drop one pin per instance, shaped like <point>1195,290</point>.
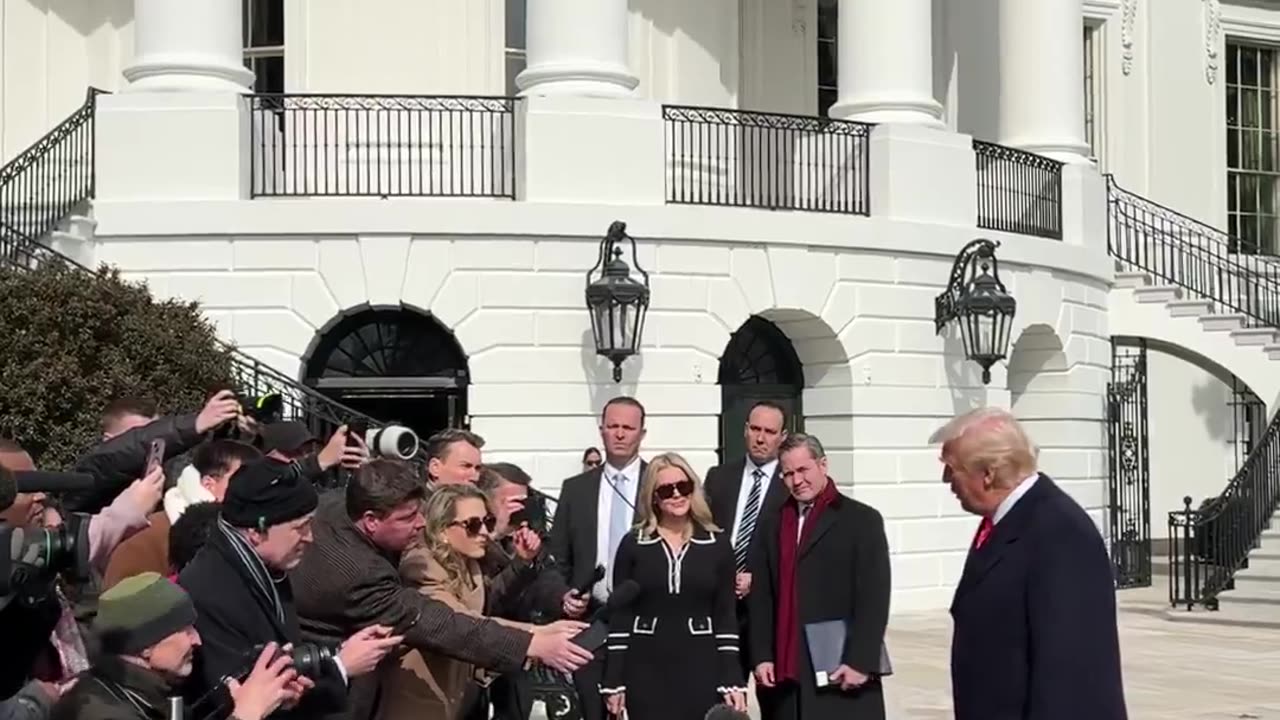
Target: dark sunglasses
<point>591,463</point>
<point>473,524</point>
<point>665,492</point>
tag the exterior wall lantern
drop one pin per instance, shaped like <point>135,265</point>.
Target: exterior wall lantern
<point>977,299</point>
<point>617,301</point>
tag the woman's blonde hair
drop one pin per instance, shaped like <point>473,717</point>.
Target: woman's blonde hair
<point>647,511</point>
<point>441,510</point>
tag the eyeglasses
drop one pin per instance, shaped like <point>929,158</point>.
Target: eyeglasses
<point>684,488</point>
<point>592,463</point>
<point>473,525</point>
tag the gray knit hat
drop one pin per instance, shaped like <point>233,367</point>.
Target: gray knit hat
<point>140,611</point>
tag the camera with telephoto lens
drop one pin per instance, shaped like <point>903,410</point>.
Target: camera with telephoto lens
<point>392,441</point>
<point>312,660</point>
<point>31,559</point>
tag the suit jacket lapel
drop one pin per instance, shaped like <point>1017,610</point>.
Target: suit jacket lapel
<point>1003,536</point>
<point>824,522</point>
<point>591,512</point>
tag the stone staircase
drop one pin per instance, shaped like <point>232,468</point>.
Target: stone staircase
<point>1255,599</point>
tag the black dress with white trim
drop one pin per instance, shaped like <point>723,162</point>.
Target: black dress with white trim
<point>675,650</point>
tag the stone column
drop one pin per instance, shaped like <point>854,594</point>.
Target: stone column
<point>1041,105</point>
<point>188,45</point>
<point>577,47</point>
<point>885,63</point>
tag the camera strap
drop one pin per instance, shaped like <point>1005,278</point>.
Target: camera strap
<point>125,695</point>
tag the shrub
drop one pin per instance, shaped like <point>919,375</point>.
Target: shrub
<point>71,342</point>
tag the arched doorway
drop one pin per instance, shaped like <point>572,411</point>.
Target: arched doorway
<point>393,364</point>
<point>758,363</point>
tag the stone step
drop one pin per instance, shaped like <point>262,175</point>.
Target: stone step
<point>1260,594</point>
<point>1190,308</point>
<point>1254,336</point>
<point>80,225</point>
<point>1157,293</point>
<point>1132,279</point>
<point>1259,616</point>
<point>1261,566</point>
<point>1219,322</point>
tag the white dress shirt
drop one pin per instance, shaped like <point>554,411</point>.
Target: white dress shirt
<point>744,492</point>
<point>1012,498</point>
<point>604,515</point>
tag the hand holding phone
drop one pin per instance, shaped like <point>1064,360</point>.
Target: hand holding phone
<point>155,456</point>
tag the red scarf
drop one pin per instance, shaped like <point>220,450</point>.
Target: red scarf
<point>787,620</point>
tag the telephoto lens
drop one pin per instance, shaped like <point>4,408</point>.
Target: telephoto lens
<point>312,660</point>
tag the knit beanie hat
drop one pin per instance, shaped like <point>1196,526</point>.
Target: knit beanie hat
<point>140,611</point>
<point>265,493</point>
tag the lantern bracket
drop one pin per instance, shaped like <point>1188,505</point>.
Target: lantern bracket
<point>978,256</point>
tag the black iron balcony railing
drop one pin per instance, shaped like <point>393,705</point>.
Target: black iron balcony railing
<point>383,146</point>
<point>51,179</point>
<point>766,160</point>
<point>1201,260</point>
<point>1210,544</point>
<point>1018,191</point>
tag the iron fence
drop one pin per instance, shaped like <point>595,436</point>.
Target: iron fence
<point>1018,191</point>
<point>45,182</point>
<point>766,160</point>
<point>1203,261</point>
<point>382,145</point>
<point>1209,544</point>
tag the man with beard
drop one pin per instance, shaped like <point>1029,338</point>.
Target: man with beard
<point>145,625</point>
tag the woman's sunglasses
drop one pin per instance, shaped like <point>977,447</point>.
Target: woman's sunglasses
<point>473,524</point>
<point>665,492</point>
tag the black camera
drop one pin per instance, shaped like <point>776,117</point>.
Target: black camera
<point>312,660</point>
<point>30,559</point>
<point>265,409</point>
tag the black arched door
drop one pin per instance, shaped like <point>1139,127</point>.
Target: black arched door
<point>759,363</point>
<point>396,365</point>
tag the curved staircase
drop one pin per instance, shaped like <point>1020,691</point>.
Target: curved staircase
<point>1196,287</point>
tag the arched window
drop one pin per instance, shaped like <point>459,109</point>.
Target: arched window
<point>759,363</point>
<point>387,344</point>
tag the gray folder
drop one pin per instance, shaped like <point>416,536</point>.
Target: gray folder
<point>826,649</point>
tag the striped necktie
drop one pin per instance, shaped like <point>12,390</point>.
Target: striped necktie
<point>749,514</point>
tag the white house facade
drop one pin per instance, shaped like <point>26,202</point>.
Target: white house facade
<point>398,208</point>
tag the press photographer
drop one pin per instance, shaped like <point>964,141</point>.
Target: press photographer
<point>240,586</point>
<point>145,628</point>
<point>42,639</point>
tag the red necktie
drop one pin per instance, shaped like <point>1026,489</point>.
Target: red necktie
<point>984,531</point>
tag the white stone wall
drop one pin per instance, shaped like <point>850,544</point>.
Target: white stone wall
<point>879,380</point>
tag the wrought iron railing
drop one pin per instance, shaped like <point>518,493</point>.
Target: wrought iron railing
<point>45,182</point>
<point>766,160</point>
<point>1018,191</point>
<point>1209,544</point>
<point>55,176</point>
<point>382,145</point>
<point>1203,261</point>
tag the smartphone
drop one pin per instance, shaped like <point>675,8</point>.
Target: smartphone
<point>155,456</point>
<point>356,429</point>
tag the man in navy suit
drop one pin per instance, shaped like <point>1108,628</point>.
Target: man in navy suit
<point>1035,611</point>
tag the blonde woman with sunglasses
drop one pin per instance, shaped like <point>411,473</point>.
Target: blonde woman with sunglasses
<point>446,565</point>
<point>673,654</point>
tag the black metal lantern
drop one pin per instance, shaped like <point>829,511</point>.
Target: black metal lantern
<point>977,299</point>
<point>617,302</point>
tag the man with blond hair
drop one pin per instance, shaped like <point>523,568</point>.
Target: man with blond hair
<point>1035,613</point>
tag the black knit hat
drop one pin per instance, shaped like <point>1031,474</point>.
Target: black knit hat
<point>265,493</point>
<point>140,611</point>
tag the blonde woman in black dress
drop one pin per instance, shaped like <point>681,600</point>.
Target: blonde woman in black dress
<point>673,654</point>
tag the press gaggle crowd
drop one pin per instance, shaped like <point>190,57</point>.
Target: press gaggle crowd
<point>287,576</point>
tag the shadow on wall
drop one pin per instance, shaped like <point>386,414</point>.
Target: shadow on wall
<point>1036,356</point>
<point>703,23</point>
<point>964,377</point>
<point>86,17</point>
<point>598,372</point>
<point>1210,398</point>
<point>972,63</point>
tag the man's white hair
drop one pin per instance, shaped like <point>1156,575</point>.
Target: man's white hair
<point>989,439</point>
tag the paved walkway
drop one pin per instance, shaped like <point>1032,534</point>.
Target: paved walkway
<point>1179,671</point>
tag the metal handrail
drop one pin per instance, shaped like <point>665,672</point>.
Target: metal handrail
<point>67,152</point>
<point>1209,544</point>
<point>1018,191</point>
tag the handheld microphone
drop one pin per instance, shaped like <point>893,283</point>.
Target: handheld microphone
<point>724,712</point>
<point>596,576</point>
<point>598,631</point>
